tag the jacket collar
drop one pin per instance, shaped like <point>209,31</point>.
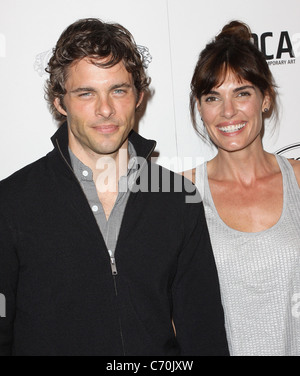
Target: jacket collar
<point>143,147</point>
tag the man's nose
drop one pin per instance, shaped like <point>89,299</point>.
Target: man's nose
<point>104,107</point>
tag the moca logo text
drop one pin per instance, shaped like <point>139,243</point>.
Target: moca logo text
<point>282,47</point>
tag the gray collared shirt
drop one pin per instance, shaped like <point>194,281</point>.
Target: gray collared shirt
<point>109,227</point>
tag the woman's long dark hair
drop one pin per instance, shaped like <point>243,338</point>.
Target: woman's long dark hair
<point>231,50</point>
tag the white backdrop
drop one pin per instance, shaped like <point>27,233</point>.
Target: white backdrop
<point>174,31</point>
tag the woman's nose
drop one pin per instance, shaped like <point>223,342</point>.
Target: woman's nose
<point>228,108</point>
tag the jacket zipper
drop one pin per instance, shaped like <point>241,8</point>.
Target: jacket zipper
<point>113,264</point>
<point>111,253</point>
<point>114,269</point>
<point>111,257</point>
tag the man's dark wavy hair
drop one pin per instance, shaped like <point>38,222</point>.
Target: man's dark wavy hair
<point>95,39</point>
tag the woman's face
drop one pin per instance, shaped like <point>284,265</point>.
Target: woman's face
<point>232,113</point>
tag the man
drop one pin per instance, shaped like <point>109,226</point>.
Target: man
<point>92,261</point>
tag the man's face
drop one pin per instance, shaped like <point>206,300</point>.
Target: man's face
<point>100,105</point>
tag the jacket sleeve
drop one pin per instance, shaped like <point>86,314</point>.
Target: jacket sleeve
<point>8,285</point>
<point>197,310</point>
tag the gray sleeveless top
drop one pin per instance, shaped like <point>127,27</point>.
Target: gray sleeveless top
<point>259,274</point>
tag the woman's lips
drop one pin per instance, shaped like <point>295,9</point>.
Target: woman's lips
<point>232,128</point>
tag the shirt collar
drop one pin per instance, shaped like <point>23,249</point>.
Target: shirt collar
<point>84,173</point>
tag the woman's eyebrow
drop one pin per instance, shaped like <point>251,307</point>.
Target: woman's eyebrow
<point>240,88</point>
<point>213,92</point>
<point>245,87</point>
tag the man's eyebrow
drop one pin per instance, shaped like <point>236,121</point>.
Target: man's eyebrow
<point>83,89</point>
<point>91,89</point>
<point>122,84</point>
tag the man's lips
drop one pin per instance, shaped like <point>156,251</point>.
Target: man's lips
<point>106,129</point>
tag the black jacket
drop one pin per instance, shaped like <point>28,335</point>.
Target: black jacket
<point>55,272</point>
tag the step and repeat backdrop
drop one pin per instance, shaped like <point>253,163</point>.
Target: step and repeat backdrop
<point>174,31</point>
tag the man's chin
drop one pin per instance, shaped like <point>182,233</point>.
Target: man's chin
<point>110,151</point>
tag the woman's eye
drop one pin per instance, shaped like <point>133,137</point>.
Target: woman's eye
<point>211,99</point>
<point>244,94</point>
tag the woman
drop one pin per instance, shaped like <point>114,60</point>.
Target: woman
<point>251,197</point>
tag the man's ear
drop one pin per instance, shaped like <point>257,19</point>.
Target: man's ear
<point>140,100</point>
<point>59,107</point>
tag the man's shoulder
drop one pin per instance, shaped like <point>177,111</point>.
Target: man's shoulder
<point>21,179</point>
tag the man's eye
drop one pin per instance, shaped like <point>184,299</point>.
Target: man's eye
<point>84,94</point>
<point>119,91</point>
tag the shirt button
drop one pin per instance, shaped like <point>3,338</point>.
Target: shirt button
<point>85,173</point>
<point>95,208</point>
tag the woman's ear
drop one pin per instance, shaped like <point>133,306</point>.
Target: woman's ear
<point>59,107</point>
<point>198,106</point>
<point>266,105</point>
